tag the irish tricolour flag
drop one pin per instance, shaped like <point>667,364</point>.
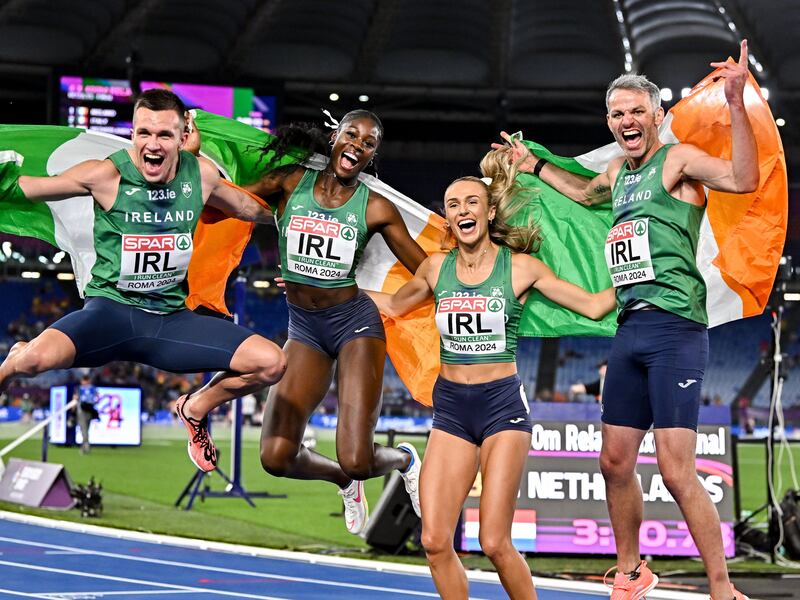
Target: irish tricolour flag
<point>740,245</point>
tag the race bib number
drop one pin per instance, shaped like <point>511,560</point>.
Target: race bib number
<point>628,253</point>
<point>472,325</point>
<point>319,248</point>
<point>154,262</point>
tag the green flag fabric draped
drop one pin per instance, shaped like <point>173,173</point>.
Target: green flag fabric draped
<point>574,235</point>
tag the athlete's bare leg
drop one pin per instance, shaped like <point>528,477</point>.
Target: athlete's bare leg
<point>360,376</point>
<point>51,349</point>
<point>623,492</point>
<point>675,450</point>
<point>257,363</point>
<point>448,473</point>
<point>289,406</point>
<point>503,456</point>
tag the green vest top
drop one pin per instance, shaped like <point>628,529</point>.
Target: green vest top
<point>477,323</point>
<point>651,248</point>
<point>144,242</point>
<point>320,246</point>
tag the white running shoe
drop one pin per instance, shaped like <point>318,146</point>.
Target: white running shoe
<point>411,475</point>
<point>356,509</point>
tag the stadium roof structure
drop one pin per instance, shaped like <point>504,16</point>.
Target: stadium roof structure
<point>445,72</point>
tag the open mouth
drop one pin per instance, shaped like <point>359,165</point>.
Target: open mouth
<point>152,163</point>
<point>467,225</point>
<point>348,161</point>
<point>631,137</point>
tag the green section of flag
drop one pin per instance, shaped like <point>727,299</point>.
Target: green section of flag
<point>35,143</point>
<point>574,239</point>
<point>574,235</point>
<point>238,147</point>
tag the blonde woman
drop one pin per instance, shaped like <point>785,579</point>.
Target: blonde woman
<point>481,416</point>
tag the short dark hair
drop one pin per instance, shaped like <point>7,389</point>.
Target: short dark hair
<point>160,99</point>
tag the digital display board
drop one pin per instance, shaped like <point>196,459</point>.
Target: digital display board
<point>561,505</point>
<point>119,424</point>
<point>107,104</point>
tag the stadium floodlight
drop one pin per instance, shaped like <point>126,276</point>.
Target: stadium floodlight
<point>666,94</point>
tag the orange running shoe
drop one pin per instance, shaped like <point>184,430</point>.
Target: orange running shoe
<point>634,586</point>
<point>201,447</point>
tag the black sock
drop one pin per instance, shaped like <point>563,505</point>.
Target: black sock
<point>634,575</point>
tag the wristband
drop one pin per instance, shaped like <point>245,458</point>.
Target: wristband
<point>539,166</point>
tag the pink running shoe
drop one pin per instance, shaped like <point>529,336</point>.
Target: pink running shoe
<point>201,447</point>
<point>626,588</point>
<point>356,509</point>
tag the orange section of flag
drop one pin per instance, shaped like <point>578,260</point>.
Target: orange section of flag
<point>412,341</point>
<point>219,243</point>
<point>750,229</point>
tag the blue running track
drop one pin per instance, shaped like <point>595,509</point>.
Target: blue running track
<point>61,561</point>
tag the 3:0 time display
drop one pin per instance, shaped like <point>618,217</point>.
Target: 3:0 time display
<point>652,535</point>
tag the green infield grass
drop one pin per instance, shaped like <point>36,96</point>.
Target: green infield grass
<point>141,485</point>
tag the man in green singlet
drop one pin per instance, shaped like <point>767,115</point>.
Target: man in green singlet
<point>660,351</point>
<point>148,200</point>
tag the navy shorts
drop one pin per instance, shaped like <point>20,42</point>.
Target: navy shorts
<point>655,371</point>
<point>475,411</point>
<point>181,342</point>
<point>328,329</point>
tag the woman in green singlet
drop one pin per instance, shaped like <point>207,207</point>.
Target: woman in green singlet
<point>481,419</point>
<point>325,219</point>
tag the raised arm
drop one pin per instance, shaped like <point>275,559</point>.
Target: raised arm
<point>98,178</point>
<point>581,189</point>
<point>740,174</point>
<point>410,296</point>
<point>281,180</point>
<point>268,185</point>
<point>231,200</point>
<point>384,218</point>
<point>531,272</point>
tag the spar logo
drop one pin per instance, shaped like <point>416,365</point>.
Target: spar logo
<point>464,305</point>
<point>150,243</point>
<point>494,305</point>
<point>625,231</point>
<point>315,226</point>
<point>183,242</point>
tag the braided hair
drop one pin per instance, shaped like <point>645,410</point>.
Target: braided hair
<point>298,141</point>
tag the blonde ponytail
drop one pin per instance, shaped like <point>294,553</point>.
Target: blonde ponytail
<point>509,198</point>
